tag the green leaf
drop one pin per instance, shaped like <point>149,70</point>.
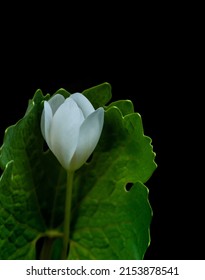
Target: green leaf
<point>99,95</point>
<point>125,106</point>
<point>20,219</point>
<point>27,186</point>
<point>108,221</point>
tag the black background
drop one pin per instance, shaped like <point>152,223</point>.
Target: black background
<point>147,61</point>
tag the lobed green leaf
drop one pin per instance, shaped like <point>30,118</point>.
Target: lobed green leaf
<point>108,221</point>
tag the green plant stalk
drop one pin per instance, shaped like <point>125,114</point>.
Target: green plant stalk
<point>67,214</point>
<point>46,249</point>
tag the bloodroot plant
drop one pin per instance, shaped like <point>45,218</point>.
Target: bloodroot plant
<point>67,165</point>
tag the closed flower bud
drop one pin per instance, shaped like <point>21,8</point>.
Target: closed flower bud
<point>71,128</point>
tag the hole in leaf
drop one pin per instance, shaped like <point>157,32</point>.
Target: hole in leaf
<point>128,187</point>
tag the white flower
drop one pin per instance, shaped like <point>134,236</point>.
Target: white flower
<point>71,128</point>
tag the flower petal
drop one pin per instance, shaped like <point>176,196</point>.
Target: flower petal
<point>83,103</point>
<point>90,132</point>
<point>55,102</point>
<point>65,131</point>
<point>46,119</point>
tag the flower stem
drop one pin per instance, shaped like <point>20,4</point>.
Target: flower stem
<point>67,217</point>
